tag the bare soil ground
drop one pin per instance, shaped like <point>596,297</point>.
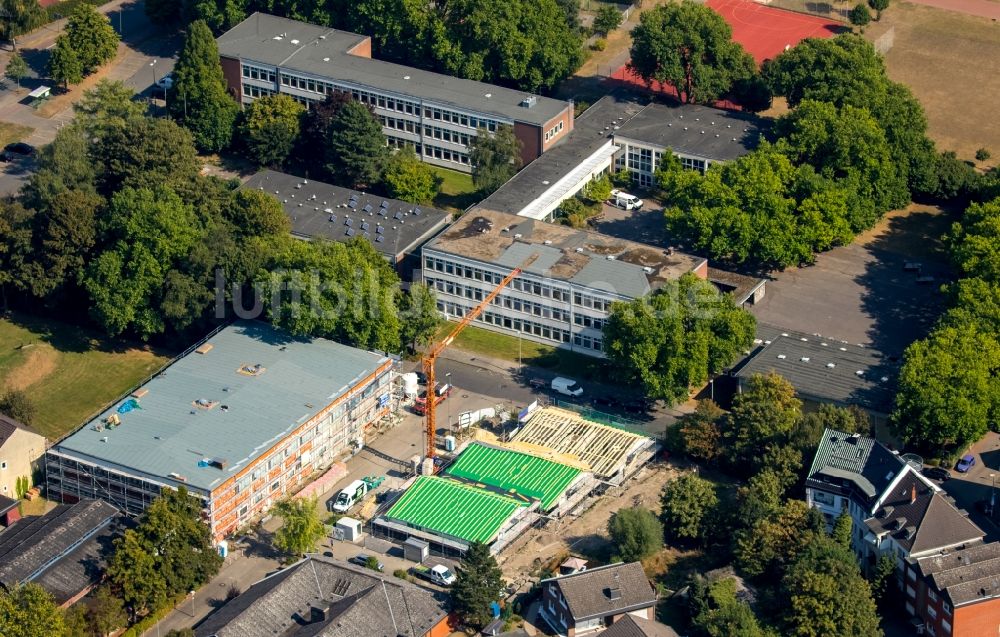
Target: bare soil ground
<point>951,61</point>
<point>586,534</point>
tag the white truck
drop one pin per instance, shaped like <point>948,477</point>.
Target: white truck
<point>625,201</point>
<point>566,386</point>
<point>349,496</point>
<point>437,574</point>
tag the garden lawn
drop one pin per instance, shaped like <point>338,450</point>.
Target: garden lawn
<point>10,133</point>
<point>457,192</point>
<point>68,373</point>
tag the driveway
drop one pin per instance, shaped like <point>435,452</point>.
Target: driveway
<point>978,484</point>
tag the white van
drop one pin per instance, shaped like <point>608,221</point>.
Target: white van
<point>625,201</point>
<point>566,386</point>
<point>349,496</point>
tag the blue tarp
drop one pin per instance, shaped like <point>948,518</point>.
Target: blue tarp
<point>128,406</point>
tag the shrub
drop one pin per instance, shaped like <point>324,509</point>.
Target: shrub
<point>599,44</point>
<point>983,154</point>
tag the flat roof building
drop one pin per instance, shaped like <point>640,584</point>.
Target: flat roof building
<point>437,114</point>
<point>698,135</point>
<point>824,370</point>
<point>241,420</point>
<point>569,277</point>
<point>396,229</point>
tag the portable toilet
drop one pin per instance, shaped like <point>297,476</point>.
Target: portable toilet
<point>223,549</point>
<point>415,550</point>
<point>351,529</point>
<point>449,443</point>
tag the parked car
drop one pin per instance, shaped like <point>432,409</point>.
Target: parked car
<point>566,386</point>
<point>625,201</point>
<point>937,473</point>
<point>166,82</point>
<point>437,574</point>
<point>537,383</point>
<point>965,463</point>
<point>10,151</point>
<point>361,559</point>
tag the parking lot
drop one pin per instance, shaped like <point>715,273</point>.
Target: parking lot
<point>977,485</point>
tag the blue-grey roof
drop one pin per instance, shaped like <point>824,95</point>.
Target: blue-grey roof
<point>614,276</point>
<point>170,434</point>
<point>518,253</point>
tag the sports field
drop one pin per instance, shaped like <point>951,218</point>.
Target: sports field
<point>514,472</point>
<point>67,373</point>
<point>452,508</point>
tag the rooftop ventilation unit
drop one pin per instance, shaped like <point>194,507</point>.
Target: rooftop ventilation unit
<point>579,249</point>
<point>782,357</point>
<point>547,242</point>
<point>295,41</point>
<point>529,101</point>
<point>611,257</point>
<point>647,270</point>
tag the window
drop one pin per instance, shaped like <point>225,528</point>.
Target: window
<point>947,608</point>
<point>3,465</point>
<point>931,612</point>
<point>946,626</point>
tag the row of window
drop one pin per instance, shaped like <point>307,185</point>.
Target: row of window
<point>444,134</point>
<point>520,284</point>
<point>555,130</point>
<point>255,91</point>
<point>588,342</point>
<point>374,99</point>
<point>524,326</point>
<point>588,321</point>
<point>503,300</point>
<point>446,154</point>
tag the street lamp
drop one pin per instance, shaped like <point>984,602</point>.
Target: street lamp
<point>993,494</point>
<point>447,381</point>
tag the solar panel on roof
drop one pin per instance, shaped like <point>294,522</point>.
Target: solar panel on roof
<point>379,238</point>
<point>364,225</point>
<point>416,211</point>
<point>333,217</point>
<point>398,215</point>
<point>379,229</point>
<point>384,204</point>
<point>350,232</point>
<point>348,222</point>
<point>353,204</point>
<point>367,208</point>
<point>354,196</point>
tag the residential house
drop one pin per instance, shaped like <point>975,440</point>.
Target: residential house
<point>20,450</point>
<point>323,597</point>
<point>590,601</point>
<point>64,551</point>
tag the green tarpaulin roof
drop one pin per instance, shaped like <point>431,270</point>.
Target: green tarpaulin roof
<point>508,470</point>
<point>453,508</point>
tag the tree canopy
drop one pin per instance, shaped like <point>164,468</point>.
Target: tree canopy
<point>270,128</point>
<point>495,158</point>
<point>687,502</point>
<point>301,527</point>
<point>91,36</point>
<point>689,46</point>
<point>673,339</point>
<point>20,16</point>
<point>198,97</point>
<point>478,583</point>
<point>356,153</point>
<point>636,533</point>
<point>763,414</point>
<point>64,63</point>
<point>28,610</point>
<point>409,179</point>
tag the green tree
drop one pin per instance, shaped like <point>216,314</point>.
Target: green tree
<point>716,611</point>
<point>975,241</point>
<point>948,390</point>
<point>982,154</point>
<point>636,533</point>
<point>883,576</point>
<point>860,16</point>
<point>148,153</point>
<point>478,582</point>
<point>878,6</point>
<point>598,189</point>
<point>764,413</point>
<point>344,291</point>
<point>29,610</point>
<point>420,316</point>
<point>806,434</point>
<point>827,595</point>
<point>106,614</point>
<point>150,230</point>
<point>91,35</point>
<point>64,63</point>
<point>760,499</point>
<point>181,632</point>
<point>75,622</point>
<point>16,404</point>
<point>301,528</point>
<point>495,158</point>
<point>134,572</point>
<point>409,179</point>
<point>356,153</point>
<point>689,46</point>
<point>401,30</point>
<point>608,19</point>
<point>255,213</point>
<point>773,542</point>
<point>687,502</point>
<point>842,529</point>
<point>16,68</point>
<point>315,129</point>
<point>198,97</point>
<point>163,11</point>
<point>220,15</point>
<point>270,128</point>
<point>673,339</point>
<point>106,107</point>
<point>701,433</point>
<point>20,16</point>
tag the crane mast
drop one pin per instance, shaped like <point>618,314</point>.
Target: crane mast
<point>437,348</point>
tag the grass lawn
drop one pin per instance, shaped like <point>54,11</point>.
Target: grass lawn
<point>481,341</point>
<point>457,192</point>
<point>66,372</point>
<point>13,133</point>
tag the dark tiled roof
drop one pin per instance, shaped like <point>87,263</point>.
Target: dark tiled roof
<point>700,131</point>
<point>605,590</point>
<point>396,228</point>
<point>965,575</point>
<point>632,626</point>
<point>920,519</point>
<point>857,459</point>
<point>320,597</point>
<point>824,369</point>
<point>64,550</point>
